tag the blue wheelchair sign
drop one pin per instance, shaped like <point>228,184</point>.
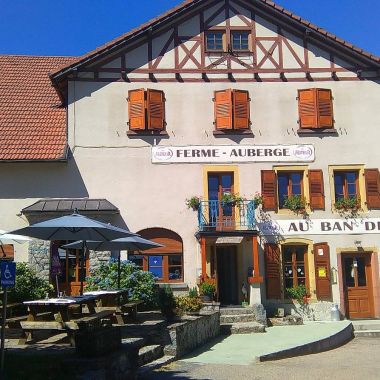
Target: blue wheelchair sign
<point>8,274</point>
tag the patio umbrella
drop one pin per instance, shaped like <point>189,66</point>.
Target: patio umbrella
<point>133,243</point>
<point>74,227</point>
<point>6,238</point>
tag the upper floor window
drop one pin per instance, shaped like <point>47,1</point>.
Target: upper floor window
<point>346,184</point>
<point>240,40</point>
<point>289,184</point>
<point>146,110</point>
<point>279,185</point>
<point>215,41</point>
<point>315,108</point>
<point>232,111</point>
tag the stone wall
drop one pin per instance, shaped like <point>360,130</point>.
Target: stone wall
<point>193,332</point>
<point>98,258</point>
<point>39,257</point>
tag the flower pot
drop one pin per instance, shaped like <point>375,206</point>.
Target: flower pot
<point>206,298</point>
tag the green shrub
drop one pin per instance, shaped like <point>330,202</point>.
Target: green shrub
<point>298,293</point>
<point>29,286</point>
<point>167,302</point>
<point>207,289</point>
<point>141,284</point>
<point>188,304</point>
<point>193,292</point>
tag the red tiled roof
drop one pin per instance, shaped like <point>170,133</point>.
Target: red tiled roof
<point>32,126</point>
<point>180,7</point>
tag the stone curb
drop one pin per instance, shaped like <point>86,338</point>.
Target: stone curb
<point>329,343</point>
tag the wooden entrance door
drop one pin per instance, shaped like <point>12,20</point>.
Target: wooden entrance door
<point>222,215</point>
<point>69,280</point>
<point>357,281</point>
<point>227,275</point>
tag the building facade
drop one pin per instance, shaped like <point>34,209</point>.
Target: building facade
<point>269,120</point>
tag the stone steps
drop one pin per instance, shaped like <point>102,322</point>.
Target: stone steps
<point>241,328</point>
<point>236,318</point>
<point>235,310</point>
<point>367,333</point>
<point>367,328</point>
<point>148,354</point>
<point>155,364</point>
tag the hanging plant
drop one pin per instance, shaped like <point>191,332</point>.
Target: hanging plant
<point>193,203</point>
<point>350,206</point>
<point>231,199</point>
<point>297,204</point>
<point>258,199</point>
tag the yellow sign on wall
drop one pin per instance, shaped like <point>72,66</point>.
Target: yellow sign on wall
<point>322,272</point>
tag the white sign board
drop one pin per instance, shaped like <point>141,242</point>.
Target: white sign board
<point>320,227</point>
<point>193,154</point>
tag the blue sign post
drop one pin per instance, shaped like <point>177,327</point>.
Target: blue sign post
<point>8,280</point>
<point>8,274</point>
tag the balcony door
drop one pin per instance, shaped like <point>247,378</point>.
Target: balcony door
<point>222,215</point>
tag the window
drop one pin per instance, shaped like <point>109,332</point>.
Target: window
<point>278,185</point>
<point>239,40</point>
<point>315,109</point>
<point>232,110</point>
<point>214,41</point>
<point>294,265</point>
<point>289,184</point>
<point>346,185</point>
<point>166,263</point>
<point>146,110</point>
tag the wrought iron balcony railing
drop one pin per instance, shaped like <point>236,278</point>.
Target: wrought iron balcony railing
<point>222,216</point>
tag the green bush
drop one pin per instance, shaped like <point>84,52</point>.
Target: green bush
<point>207,289</point>
<point>298,293</point>
<point>193,292</point>
<point>167,302</point>
<point>188,304</point>
<point>29,286</point>
<point>141,284</point>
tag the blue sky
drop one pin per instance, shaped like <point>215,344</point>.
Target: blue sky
<point>74,27</point>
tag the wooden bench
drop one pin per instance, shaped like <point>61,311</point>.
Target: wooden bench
<point>130,308</point>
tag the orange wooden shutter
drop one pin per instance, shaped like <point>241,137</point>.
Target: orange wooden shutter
<point>7,251</point>
<point>155,109</point>
<point>372,185</point>
<point>325,108</point>
<point>136,109</point>
<point>316,189</point>
<point>273,271</point>
<point>269,189</point>
<point>307,108</point>
<point>322,271</point>
<point>241,109</point>
<point>223,109</point>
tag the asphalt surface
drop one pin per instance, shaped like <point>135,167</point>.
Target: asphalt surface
<point>358,359</point>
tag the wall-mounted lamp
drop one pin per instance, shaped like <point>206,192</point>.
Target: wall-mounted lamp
<point>334,275</point>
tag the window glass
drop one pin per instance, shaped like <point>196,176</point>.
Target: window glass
<point>362,279</point>
<point>349,272</point>
<point>240,40</point>
<point>351,184</point>
<point>339,185</point>
<point>137,259</point>
<point>214,41</point>
<point>155,266</point>
<point>282,188</point>
<point>345,185</point>
<point>296,183</point>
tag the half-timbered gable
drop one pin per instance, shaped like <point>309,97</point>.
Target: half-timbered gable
<point>231,40</point>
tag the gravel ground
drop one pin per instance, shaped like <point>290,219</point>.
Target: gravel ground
<point>359,359</point>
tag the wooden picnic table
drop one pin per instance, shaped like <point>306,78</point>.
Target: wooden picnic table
<point>61,314</point>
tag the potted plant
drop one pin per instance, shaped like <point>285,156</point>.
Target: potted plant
<point>193,203</point>
<point>258,199</point>
<point>296,203</point>
<point>207,291</point>
<point>188,305</point>
<point>231,199</point>
<point>349,205</point>
<point>167,302</point>
<point>298,293</point>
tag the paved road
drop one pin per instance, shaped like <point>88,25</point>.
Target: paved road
<point>359,359</point>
